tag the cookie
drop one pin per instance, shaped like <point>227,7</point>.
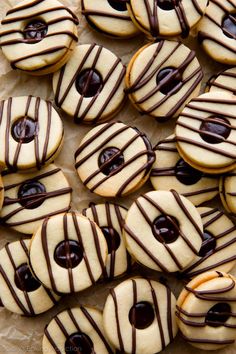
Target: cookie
<point>68,253</point>
<point>225,81</point>
<point>110,218</point>
<point>20,292</point>
<point>166,17</point>
<point>30,198</point>
<point>31,133</point>
<point>38,36</point>
<point>162,77</point>
<point>227,192</point>
<point>206,311</point>
<point>205,132</point>
<point>170,171</point>
<point>216,31</point>
<point>90,87</point>
<point>76,330</point>
<point>1,193</point>
<point>163,231</point>
<point>114,159</point>
<point>109,17</point>
<point>219,246</point>
<point>137,311</point>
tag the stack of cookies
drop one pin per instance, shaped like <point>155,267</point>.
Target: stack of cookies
<point>172,228</point>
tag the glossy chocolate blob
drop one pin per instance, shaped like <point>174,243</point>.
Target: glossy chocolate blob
<point>112,237</point>
<point>78,343</point>
<point>229,25</point>
<point>35,31</point>
<point>118,5</point>
<point>167,4</point>
<point>173,83</point>
<point>141,315</point>
<point>30,194</point>
<point>24,130</point>
<point>115,162</point>
<point>166,229</point>
<point>186,174</point>
<point>216,125</point>
<point>218,315</point>
<point>208,244</point>
<point>68,254</point>
<point>24,279</point>
<point>89,83</point>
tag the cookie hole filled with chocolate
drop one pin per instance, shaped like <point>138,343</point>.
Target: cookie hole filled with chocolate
<point>89,83</point>
<point>24,279</point>
<point>169,80</point>
<point>167,4</point>
<point>208,244</point>
<point>79,343</point>
<point>218,315</point>
<point>118,5</point>
<point>24,130</point>
<point>68,254</point>
<point>112,238</point>
<point>165,229</point>
<point>141,315</point>
<point>31,194</point>
<point>229,25</point>
<point>186,174</point>
<point>35,31</point>
<point>215,130</point>
<point>110,159</point>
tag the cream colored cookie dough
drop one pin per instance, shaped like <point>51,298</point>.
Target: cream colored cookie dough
<point>170,171</point>
<point>78,328</point>
<point>114,159</point>
<point>206,311</point>
<point>227,192</point>
<point>110,218</point>
<point>216,31</point>
<point>38,36</point>
<point>219,246</point>
<point>68,253</point>
<point>163,231</point>
<point>31,133</point>
<point>90,88</point>
<point>162,77</point>
<point>20,292</point>
<point>205,132</point>
<point>109,17</point>
<point>166,18</point>
<point>30,198</point>
<point>225,81</point>
<point>139,316</point>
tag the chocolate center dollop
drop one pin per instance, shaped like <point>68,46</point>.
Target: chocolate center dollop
<point>35,31</point>
<point>218,126</point>
<point>186,174</point>
<point>118,5</point>
<point>89,83</point>
<point>30,194</point>
<point>229,25</point>
<point>167,4</point>
<point>24,279</point>
<point>112,237</point>
<point>218,315</point>
<point>78,343</point>
<point>24,130</point>
<point>166,229</point>
<point>141,315</point>
<point>208,244</point>
<point>112,159</point>
<point>167,81</point>
<point>68,254</point>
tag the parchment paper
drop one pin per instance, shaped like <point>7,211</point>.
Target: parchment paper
<point>24,335</point>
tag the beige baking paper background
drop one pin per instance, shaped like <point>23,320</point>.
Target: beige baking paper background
<point>24,335</point>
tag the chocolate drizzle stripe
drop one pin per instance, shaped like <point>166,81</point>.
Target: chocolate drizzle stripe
<point>61,326</point>
<point>200,314</point>
<point>51,341</point>
<point>169,314</point>
<point>213,219</point>
<point>209,212</point>
<point>73,319</point>
<point>98,248</point>
<point>113,252</point>
<point>49,122</point>
<point>207,190</point>
<point>86,260</point>
<point>207,341</point>
<point>208,295</point>
<point>121,343</point>
<point>202,324</point>
<point>116,15</point>
<point>135,300</point>
<point>24,7</point>
<point>67,249</point>
<point>7,132</point>
<point>96,328</point>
